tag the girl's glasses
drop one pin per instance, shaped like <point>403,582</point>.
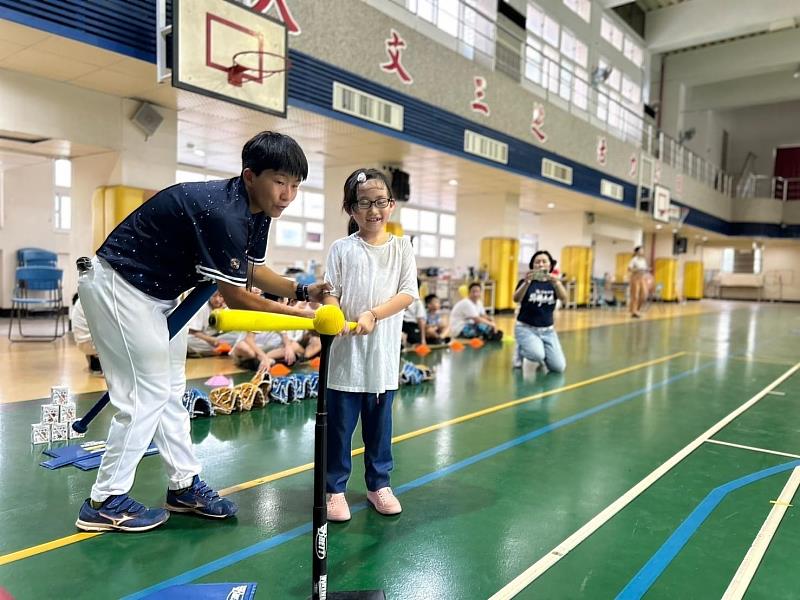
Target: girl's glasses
<point>365,204</point>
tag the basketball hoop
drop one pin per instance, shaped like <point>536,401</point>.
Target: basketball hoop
<point>238,72</point>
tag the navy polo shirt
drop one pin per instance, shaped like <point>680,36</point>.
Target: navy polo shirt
<point>188,233</point>
<point>538,304</point>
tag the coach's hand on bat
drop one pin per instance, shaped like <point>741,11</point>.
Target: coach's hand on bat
<point>316,291</point>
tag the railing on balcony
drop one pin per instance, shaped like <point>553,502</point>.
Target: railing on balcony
<point>764,186</point>
<point>488,38</point>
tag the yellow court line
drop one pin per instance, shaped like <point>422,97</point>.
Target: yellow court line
<point>79,537</point>
<point>46,547</point>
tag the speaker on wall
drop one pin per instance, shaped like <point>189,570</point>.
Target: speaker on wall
<point>679,244</point>
<point>147,118</point>
<point>400,183</point>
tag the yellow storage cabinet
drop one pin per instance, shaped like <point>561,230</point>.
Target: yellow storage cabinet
<point>623,260</point>
<point>576,263</point>
<point>499,256</point>
<point>693,277</point>
<point>666,275</point>
<point>110,205</point>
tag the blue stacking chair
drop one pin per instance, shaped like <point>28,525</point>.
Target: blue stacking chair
<point>37,291</point>
<point>36,257</point>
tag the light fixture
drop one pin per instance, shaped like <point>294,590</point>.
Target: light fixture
<point>659,226</point>
<point>685,136</point>
<point>453,182</point>
<point>796,74</point>
<point>705,238</point>
<point>551,205</point>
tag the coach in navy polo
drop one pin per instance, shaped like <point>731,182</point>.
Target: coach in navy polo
<point>183,235</point>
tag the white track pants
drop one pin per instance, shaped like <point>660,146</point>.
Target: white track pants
<point>146,377</point>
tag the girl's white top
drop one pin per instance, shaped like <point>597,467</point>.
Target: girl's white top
<point>362,277</point>
<point>638,263</point>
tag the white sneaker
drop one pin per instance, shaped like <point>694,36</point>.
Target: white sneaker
<point>338,510</point>
<point>385,501</point>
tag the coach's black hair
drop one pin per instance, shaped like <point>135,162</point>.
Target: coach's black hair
<point>636,249</point>
<point>553,261</point>
<point>474,284</point>
<point>274,151</point>
<point>430,298</point>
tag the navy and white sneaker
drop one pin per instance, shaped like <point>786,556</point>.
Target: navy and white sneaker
<point>119,513</point>
<point>200,499</point>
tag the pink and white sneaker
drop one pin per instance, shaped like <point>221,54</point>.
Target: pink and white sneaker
<point>338,510</point>
<point>385,502</point>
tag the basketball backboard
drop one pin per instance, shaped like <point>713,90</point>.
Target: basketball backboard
<point>661,203</point>
<point>225,50</point>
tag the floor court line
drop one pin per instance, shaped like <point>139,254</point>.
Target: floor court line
<point>71,539</point>
<point>753,448</point>
<point>268,544</point>
<point>541,566</point>
<point>657,564</point>
<point>744,574</point>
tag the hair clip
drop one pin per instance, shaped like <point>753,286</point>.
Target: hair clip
<point>361,177</point>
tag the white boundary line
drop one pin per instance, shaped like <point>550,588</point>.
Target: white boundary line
<point>744,574</point>
<point>538,569</point>
<point>778,393</point>
<point>753,448</point>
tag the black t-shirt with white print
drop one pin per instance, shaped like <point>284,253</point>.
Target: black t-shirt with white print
<point>188,233</point>
<point>538,304</point>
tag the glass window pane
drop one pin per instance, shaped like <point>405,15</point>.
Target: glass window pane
<point>409,219</point>
<point>551,31</point>
<point>535,20</point>
<point>63,173</point>
<point>425,10</point>
<point>295,209</point>
<point>66,212</point>
<point>428,246</point>
<point>447,19</point>
<point>428,221</point>
<point>188,176</point>
<point>447,224</point>
<point>447,248</point>
<point>415,244</point>
<point>581,53</point>
<point>568,44</point>
<point>313,205</point>
<point>314,231</point>
<point>289,233</point>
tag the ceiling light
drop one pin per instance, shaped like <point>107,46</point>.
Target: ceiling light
<point>705,238</point>
<point>198,152</point>
<point>659,226</point>
<point>453,182</point>
<point>551,205</point>
<point>796,74</point>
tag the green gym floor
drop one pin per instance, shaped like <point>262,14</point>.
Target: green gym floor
<point>608,481</point>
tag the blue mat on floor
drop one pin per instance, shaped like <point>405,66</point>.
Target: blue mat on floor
<point>206,591</point>
<point>87,453</point>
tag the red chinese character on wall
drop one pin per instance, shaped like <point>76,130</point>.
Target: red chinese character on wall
<point>602,150</point>
<point>478,105</point>
<point>286,17</point>
<point>537,122</point>
<point>633,165</point>
<point>394,49</point>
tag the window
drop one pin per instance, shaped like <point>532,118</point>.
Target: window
<point>630,91</point>
<point>62,214</point>
<point>301,224</point>
<point>62,194</point>
<point>582,8</point>
<point>187,176</point>
<point>633,52</point>
<point>611,33</point>
<point>431,232</point>
<point>749,260</point>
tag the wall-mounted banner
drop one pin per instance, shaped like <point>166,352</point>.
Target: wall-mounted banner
<point>478,105</point>
<point>537,122</point>
<point>394,49</point>
<point>657,173</point>
<point>602,150</point>
<point>284,13</point>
